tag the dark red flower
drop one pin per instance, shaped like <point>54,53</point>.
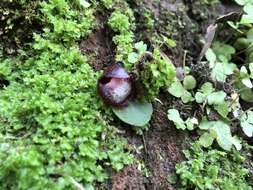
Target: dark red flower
<point>115,86</point>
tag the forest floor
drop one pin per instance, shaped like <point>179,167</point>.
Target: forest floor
<point>159,149</point>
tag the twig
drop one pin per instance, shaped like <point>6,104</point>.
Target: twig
<point>144,143</point>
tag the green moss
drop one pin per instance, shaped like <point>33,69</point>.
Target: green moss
<point>119,22</point>
<point>122,23</point>
<point>157,74</point>
<point>212,170</point>
<point>108,3</point>
<point>51,119</point>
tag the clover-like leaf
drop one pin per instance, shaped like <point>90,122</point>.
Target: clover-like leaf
<point>211,57</point>
<point>222,108</point>
<point>222,69</point>
<point>245,93</point>
<point>223,50</point>
<point>187,97</point>
<point>247,123</point>
<point>200,97</point>
<point>174,116</point>
<point>205,124</point>
<point>247,18</point>
<point>247,82</point>
<point>218,60</point>
<point>207,88</point>
<point>244,75</point>
<point>251,70</point>
<point>250,35</point>
<point>216,98</point>
<point>206,93</point>
<point>221,132</point>
<point>190,122</point>
<point>176,89</point>
<point>206,139</point>
<point>237,143</point>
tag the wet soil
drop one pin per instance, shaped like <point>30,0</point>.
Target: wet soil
<point>162,144</point>
<point>99,46</point>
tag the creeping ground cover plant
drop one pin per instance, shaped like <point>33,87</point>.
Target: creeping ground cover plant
<point>211,170</point>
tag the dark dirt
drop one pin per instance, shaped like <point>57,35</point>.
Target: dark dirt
<point>99,46</point>
<point>129,178</point>
<point>162,144</point>
<point>18,23</point>
<point>162,149</point>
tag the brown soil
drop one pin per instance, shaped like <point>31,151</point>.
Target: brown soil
<point>162,143</point>
<point>129,178</point>
<point>99,46</point>
<point>164,146</point>
<point>162,149</point>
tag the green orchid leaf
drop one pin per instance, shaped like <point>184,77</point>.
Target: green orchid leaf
<point>136,113</point>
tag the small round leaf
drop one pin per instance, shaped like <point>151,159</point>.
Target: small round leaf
<point>189,82</point>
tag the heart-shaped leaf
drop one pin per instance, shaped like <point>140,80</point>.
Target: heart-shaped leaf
<point>136,113</point>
